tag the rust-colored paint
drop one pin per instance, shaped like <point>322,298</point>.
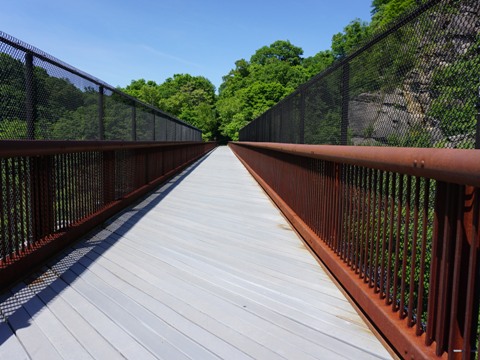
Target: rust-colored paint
<point>17,148</point>
<point>449,165</point>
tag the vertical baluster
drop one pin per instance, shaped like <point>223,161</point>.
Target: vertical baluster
<point>397,242</point>
<point>413,262</point>
<point>377,267</point>
<point>3,220</point>
<point>385,256</point>
<point>421,280</point>
<point>406,239</point>
<point>372,241</point>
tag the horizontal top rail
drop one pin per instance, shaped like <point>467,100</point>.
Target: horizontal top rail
<point>17,148</point>
<point>449,165</point>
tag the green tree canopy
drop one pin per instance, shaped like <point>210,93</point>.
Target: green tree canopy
<point>190,98</point>
<point>254,86</point>
<point>386,11</point>
<point>146,91</point>
<point>353,34</point>
<point>280,50</point>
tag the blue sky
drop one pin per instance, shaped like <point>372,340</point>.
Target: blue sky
<point>118,41</point>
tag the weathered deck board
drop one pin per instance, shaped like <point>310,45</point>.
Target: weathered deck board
<point>205,267</point>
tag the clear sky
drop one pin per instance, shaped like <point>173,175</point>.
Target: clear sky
<point>117,41</point>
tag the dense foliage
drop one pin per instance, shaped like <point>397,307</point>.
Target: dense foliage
<point>190,98</point>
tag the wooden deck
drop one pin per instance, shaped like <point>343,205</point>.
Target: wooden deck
<point>205,267</point>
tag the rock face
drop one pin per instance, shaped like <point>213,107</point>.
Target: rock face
<point>376,117</point>
<point>379,116</point>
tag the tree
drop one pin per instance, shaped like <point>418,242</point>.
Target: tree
<point>146,91</point>
<point>385,12</point>
<point>189,98</point>
<point>254,86</point>
<point>317,63</point>
<point>281,50</point>
<point>352,36</point>
<point>192,99</point>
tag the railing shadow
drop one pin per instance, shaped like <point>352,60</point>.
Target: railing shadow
<point>20,303</point>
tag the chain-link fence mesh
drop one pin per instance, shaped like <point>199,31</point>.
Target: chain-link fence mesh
<point>414,85</point>
<point>12,93</point>
<point>45,99</point>
<point>117,114</point>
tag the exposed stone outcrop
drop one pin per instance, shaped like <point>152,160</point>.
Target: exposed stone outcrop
<point>377,116</point>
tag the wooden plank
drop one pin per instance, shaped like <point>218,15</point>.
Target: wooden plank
<point>10,346</point>
<point>154,343</point>
<point>155,304</point>
<point>32,338</point>
<point>114,334</point>
<point>243,344</point>
<point>324,323</point>
<point>84,332</point>
<point>59,336</point>
<point>174,343</point>
<point>215,308</point>
<point>170,261</point>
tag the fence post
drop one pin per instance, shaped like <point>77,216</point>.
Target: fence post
<point>101,115</point>
<point>345,100</point>
<point>134,122</point>
<point>30,96</point>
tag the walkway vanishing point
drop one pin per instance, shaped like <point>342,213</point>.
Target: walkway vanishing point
<point>204,267</point>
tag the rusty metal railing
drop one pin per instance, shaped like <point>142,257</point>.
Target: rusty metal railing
<point>52,192</point>
<point>397,227</point>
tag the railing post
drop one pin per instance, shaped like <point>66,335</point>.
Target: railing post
<point>473,282</point>
<point>101,115</point>
<point>345,100</point>
<point>30,96</point>
<point>453,298</point>
<point>42,196</point>
<point>466,291</point>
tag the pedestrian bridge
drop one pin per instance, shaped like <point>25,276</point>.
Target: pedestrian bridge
<point>203,267</point>
<point>124,235</point>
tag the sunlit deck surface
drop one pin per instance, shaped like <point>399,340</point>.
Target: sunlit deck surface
<point>205,267</point>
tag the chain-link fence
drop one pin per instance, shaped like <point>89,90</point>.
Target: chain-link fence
<point>44,98</point>
<point>414,85</point>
